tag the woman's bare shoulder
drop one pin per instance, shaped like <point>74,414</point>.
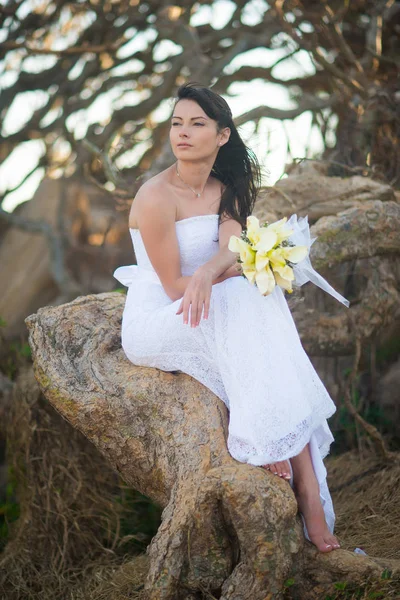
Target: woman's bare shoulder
<point>152,197</point>
<point>155,185</point>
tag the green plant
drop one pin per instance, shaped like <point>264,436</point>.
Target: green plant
<point>19,352</point>
<point>139,521</point>
<point>9,509</point>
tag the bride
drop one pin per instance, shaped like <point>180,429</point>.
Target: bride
<point>188,309</point>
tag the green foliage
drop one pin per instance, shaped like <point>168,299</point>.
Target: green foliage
<point>384,590</point>
<point>389,352</point>
<point>9,509</point>
<point>22,349</point>
<point>386,574</point>
<point>3,323</point>
<point>139,522</point>
<point>344,426</point>
<point>341,585</point>
<point>19,352</point>
<point>120,290</point>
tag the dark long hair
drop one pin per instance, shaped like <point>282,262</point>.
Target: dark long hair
<point>236,166</point>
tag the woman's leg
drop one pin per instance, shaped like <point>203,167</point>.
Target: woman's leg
<point>306,489</point>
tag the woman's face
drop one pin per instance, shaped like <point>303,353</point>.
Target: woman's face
<point>193,135</point>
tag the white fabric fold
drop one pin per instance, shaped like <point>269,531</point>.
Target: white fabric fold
<point>127,274</point>
<point>304,271</point>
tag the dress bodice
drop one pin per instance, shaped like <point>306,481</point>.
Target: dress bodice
<point>197,239</point>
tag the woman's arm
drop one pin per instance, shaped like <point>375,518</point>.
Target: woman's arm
<point>227,228</point>
<point>232,271</point>
<point>224,263</point>
<point>156,221</point>
<point>155,217</point>
<point>217,269</point>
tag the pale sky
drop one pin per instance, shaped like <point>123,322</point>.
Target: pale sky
<point>269,143</point>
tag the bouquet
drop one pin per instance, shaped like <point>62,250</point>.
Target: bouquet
<point>278,254</point>
<point>267,255</point>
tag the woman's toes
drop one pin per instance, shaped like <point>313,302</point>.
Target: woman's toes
<point>286,470</point>
<point>324,547</point>
<point>282,469</point>
<point>334,542</point>
<point>276,469</point>
<point>325,543</point>
<point>321,543</point>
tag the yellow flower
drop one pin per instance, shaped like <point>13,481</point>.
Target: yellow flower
<point>246,252</point>
<point>267,239</point>
<point>284,277</point>
<point>282,232</point>
<point>265,281</point>
<point>272,256</point>
<point>250,274</point>
<point>294,254</point>
<point>262,260</point>
<point>277,258</point>
<point>253,229</point>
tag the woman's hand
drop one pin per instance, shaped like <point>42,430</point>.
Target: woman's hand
<point>197,296</point>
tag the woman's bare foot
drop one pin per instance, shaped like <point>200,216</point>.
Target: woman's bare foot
<point>311,508</point>
<point>281,468</point>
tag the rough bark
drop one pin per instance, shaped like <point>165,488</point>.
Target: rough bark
<point>358,248</point>
<point>309,190</point>
<point>226,527</point>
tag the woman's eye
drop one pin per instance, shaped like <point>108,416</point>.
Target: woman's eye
<point>174,124</point>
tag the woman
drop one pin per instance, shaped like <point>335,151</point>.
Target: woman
<point>189,310</point>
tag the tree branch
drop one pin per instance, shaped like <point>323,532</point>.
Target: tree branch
<point>110,48</point>
<point>290,113</point>
<point>316,52</point>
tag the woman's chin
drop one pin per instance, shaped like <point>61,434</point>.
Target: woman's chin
<point>189,154</point>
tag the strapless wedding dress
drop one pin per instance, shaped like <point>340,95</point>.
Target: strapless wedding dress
<point>248,352</point>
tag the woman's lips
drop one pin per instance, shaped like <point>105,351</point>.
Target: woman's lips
<point>184,145</point>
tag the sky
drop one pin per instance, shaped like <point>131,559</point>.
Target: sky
<point>269,142</point>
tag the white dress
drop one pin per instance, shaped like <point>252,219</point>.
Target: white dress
<point>248,352</point>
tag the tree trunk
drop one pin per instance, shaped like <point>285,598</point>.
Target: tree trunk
<point>227,527</point>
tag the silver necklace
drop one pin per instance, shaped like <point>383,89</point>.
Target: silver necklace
<point>198,194</point>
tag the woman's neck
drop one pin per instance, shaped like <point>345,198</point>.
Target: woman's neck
<point>194,174</point>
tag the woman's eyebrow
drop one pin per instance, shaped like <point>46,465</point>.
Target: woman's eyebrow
<point>192,119</point>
